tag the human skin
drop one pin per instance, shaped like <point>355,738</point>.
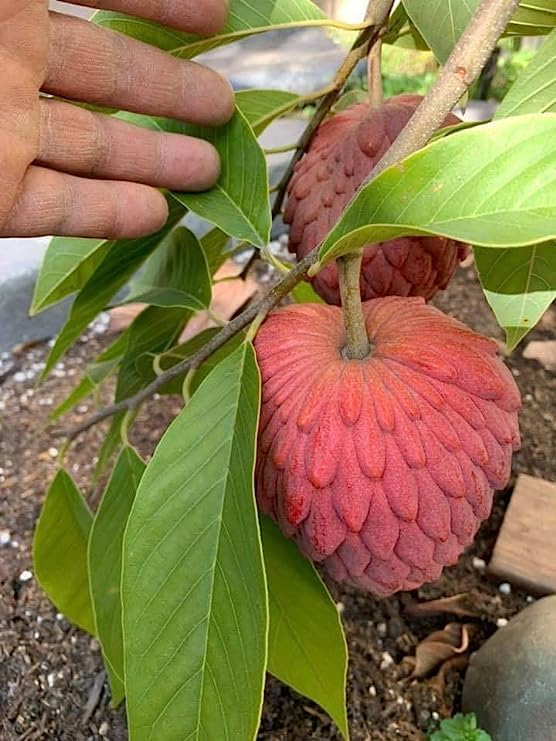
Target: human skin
<point>67,171</point>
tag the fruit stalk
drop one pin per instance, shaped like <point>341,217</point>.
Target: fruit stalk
<point>357,341</point>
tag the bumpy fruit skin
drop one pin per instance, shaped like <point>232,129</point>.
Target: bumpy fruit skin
<point>342,154</point>
<point>382,469</point>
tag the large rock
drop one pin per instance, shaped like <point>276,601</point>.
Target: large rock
<point>511,681</point>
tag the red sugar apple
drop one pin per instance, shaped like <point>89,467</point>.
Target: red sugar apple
<point>382,469</point>
<point>342,154</point>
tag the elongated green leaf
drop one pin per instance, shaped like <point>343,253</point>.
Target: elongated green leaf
<point>493,185</point>
<point>306,644</point>
<point>261,107</point>
<point>239,204</point>
<point>520,284</point>
<point>118,265</point>
<point>193,589</point>
<point>105,563</point>
<point>533,18</point>
<point>60,551</point>
<point>245,18</point>
<point>95,374</point>
<point>534,91</point>
<point>442,22</point>
<point>215,245</point>
<point>112,444</point>
<point>151,333</point>
<point>179,353</point>
<point>67,265</point>
<point>176,275</point>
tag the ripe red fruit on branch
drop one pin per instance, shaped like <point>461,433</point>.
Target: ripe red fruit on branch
<point>342,154</point>
<point>382,469</point>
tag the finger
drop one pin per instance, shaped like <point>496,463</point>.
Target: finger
<point>206,17</point>
<point>80,142</point>
<point>95,65</point>
<point>51,202</point>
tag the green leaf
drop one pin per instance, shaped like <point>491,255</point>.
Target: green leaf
<point>60,551</point>
<point>261,107</point>
<point>239,204</point>
<point>460,728</point>
<point>519,284</point>
<point>95,374</point>
<point>177,275</point>
<point>245,18</point>
<point>179,353</point>
<point>193,588</point>
<point>306,645</point>
<point>304,293</point>
<point>151,333</point>
<point>534,91</point>
<point>214,246</point>
<point>105,563</point>
<point>533,18</point>
<point>67,265</point>
<point>493,185</point>
<point>112,443</point>
<point>442,22</point>
<point>118,265</point>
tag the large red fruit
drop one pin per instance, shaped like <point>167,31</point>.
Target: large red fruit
<point>382,469</point>
<point>342,154</point>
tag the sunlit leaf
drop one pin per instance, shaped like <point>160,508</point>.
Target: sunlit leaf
<point>193,589</point>
<point>493,185</point>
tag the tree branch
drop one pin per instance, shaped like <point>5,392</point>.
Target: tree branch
<point>463,67</point>
<point>460,71</point>
<point>259,309</point>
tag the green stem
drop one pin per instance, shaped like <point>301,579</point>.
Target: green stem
<point>357,341</point>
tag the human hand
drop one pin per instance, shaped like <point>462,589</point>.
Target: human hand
<point>65,170</point>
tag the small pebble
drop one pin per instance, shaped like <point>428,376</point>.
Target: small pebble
<point>104,728</point>
<point>501,622</point>
<point>372,690</point>
<point>25,576</point>
<point>505,588</point>
<point>435,716</point>
<point>5,537</point>
<point>387,660</point>
<point>51,678</point>
<point>53,452</point>
<point>20,377</point>
<point>479,564</point>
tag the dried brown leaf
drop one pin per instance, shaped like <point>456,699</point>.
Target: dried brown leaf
<point>439,647</point>
<point>458,604</point>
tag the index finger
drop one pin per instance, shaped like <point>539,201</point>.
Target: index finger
<point>204,17</point>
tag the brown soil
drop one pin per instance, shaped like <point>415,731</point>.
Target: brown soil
<point>51,680</point>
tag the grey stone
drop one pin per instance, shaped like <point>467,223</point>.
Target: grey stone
<point>511,681</point>
<point>15,324</point>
